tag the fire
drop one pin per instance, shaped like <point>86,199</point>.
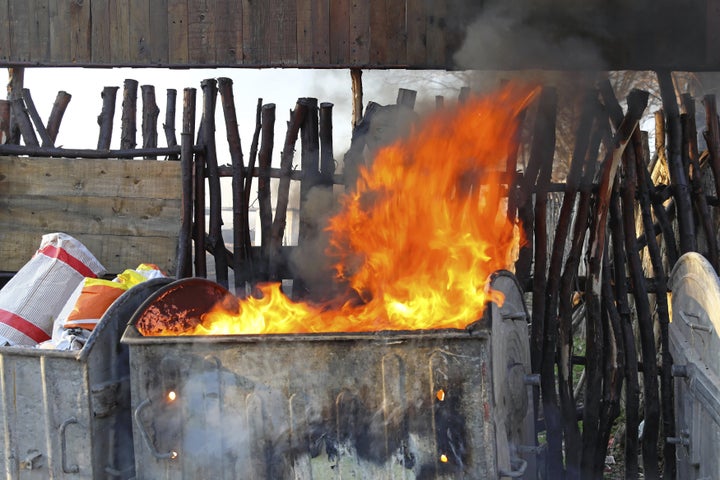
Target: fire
<point>419,236</point>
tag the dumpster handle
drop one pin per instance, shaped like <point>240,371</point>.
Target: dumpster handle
<point>143,405</point>
<point>63,447</point>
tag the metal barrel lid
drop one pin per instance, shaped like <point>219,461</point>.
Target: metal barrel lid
<point>179,305</point>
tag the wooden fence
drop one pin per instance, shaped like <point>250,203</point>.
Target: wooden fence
<point>612,214</point>
<point>360,33</point>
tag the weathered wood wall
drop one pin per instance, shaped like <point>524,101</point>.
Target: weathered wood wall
<point>637,34</point>
<point>125,211</point>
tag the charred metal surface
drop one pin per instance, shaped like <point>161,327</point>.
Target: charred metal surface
<point>178,307</point>
<point>383,405</point>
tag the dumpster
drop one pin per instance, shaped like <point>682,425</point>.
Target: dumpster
<point>441,404</point>
<point>65,414</point>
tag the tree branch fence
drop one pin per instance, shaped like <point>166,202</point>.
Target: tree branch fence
<point>596,276</point>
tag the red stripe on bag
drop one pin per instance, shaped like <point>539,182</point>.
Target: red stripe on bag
<point>54,252</point>
<point>21,325</point>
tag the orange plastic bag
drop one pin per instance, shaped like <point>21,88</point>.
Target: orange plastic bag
<point>94,299</point>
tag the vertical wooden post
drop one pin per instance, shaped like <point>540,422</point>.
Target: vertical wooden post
<point>56,114</point>
<point>310,162</point>
<point>661,309</point>
<point>637,101</point>
<point>309,159</point>
<point>542,152</point>
<point>184,257</point>
<point>357,96</point>
<point>149,118</point>
<point>406,97</point>
<point>169,125</point>
<point>550,341</point>
<point>678,175</point>
<point>36,120</point>
<point>692,157</point>
<point>16,78</point>
<point>105,119</point>
<point>241,249</point>
<point>264,202</point>
<point>632,389</point>
<point>464,94</point>
<point>200,259</point>
<point>327,158</point>
<point>712,138</point>
<point>644,316</point>
<point>251,273</point>
<point>215,238</point>
<point>297,118</point>
<point>22,121</point>
<point>4,121</point>
<point>129,113</point>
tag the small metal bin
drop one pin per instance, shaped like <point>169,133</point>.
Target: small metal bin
<point>66,414</point>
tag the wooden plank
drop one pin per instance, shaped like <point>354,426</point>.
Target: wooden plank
<point>417,11</point>
<point>116,253</point>
<point>436,21</point>
<point>281,37</point>
<point>305,27</point>
<point>253,26</point>
<point>159,34</point>
<point>39,30</point>
<point>379,40</point>
<point>201,32</point>
<point>388,29</point>
<point>360,32</point>
<point>100,26</point>
<point>89,214</point>
<point>96,177</point>
<point>19,13</point>
<point>321,32</point>
<point>59,18</point>
<point>124,211</point>
<point>4,32</point>
<point>239,31</point>
<point>177,32</point>
<point>340,32</point>
<point>80,32</point>
<point>228,18</point>
<point>139,32</point>
<point>119,30</point>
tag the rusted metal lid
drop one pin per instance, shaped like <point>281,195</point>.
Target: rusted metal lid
<point>179,306</point>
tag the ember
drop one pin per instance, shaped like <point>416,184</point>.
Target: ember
<point>416,240</point>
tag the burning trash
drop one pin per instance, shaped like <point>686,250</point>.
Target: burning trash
<point>384,381</point>
<point>415,242</point>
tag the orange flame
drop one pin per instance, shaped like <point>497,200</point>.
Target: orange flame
<point>420,235</point>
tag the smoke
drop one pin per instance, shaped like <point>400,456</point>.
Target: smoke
<point>527,35</point>
<point>308,261</point>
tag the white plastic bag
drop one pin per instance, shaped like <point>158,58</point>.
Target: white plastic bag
<point>34,296</point>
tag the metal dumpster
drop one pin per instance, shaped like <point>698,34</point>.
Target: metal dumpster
<point>65,414</point>
<point>384,405</point>
<point>695,348</point>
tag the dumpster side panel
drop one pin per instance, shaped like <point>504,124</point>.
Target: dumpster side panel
<point>44,416</point>
<point>109,377</point>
